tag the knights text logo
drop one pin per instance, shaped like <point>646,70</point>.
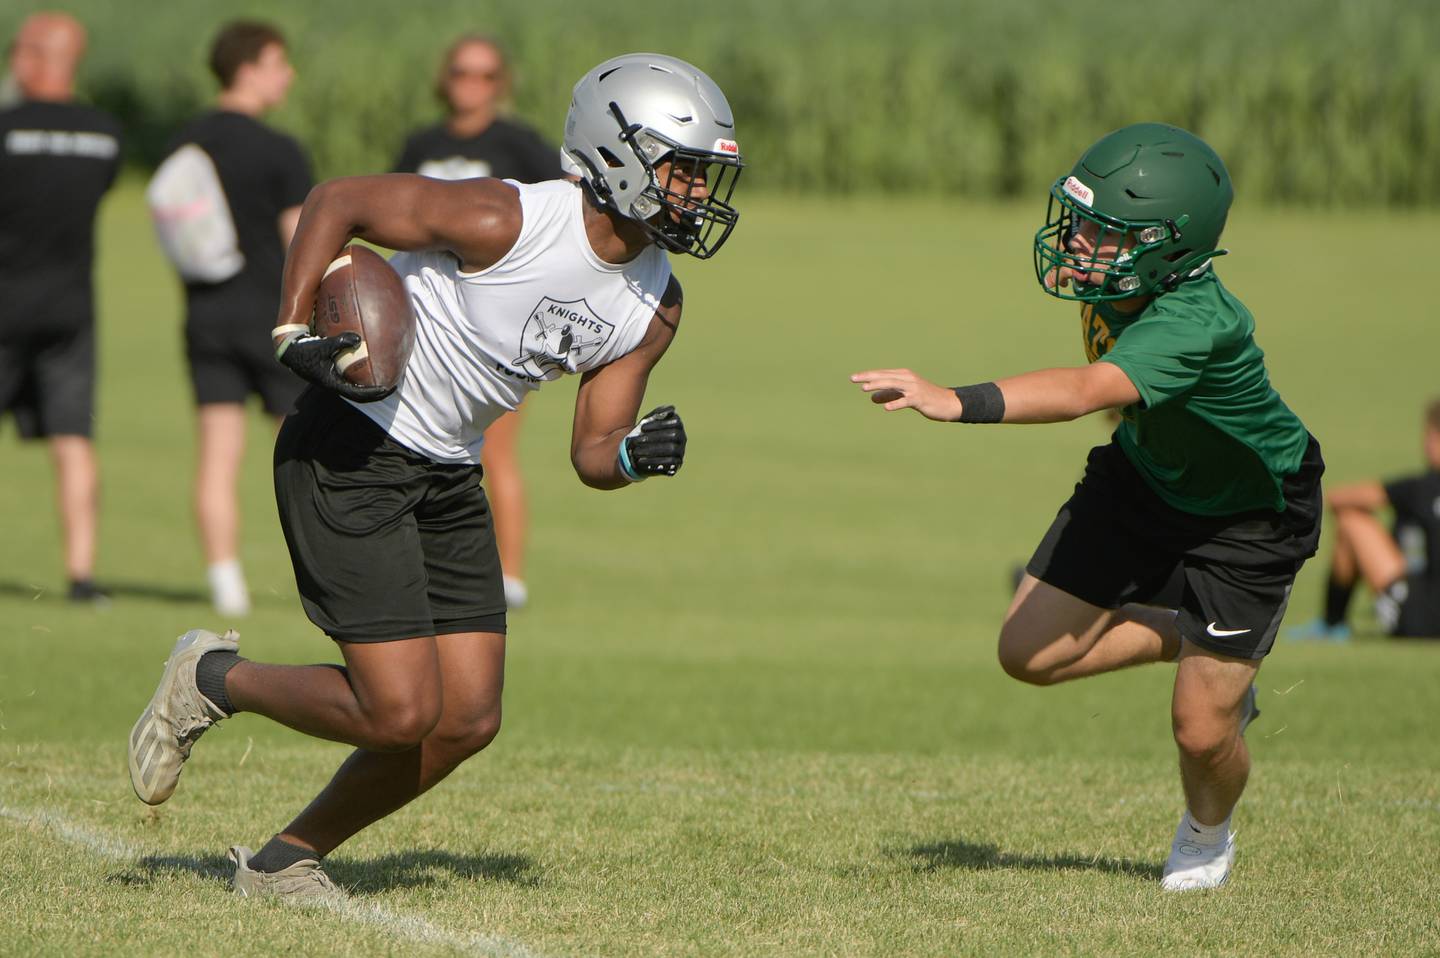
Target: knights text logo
<point>559,337</point>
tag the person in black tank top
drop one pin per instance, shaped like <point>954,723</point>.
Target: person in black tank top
<point>265,177</point>
<point>1400,564</point>
<point>473,83</point>
<point>57,159</point>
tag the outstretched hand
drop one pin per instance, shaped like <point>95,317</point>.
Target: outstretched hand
<point>903,389</point>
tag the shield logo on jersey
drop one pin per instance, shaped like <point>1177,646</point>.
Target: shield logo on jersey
<point>560,336</point>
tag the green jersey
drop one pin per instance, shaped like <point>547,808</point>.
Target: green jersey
<point>1209,435</point>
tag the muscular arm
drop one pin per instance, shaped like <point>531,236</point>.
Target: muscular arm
<point>1045,395</point>
<point>609,399</point>
<point>477,220</point>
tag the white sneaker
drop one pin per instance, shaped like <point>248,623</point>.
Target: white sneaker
<point>176,716</point>
<point>1194,865</point>
<point>303,880</point>
<point>516,595</point>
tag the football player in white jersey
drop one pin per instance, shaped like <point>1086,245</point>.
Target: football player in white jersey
<point>379,498</point>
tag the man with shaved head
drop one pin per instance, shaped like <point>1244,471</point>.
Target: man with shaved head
<point>57,159</point>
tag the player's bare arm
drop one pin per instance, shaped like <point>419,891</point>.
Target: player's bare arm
<point>608,401</point>
<point>477,220</point>
<point>1045,395</point>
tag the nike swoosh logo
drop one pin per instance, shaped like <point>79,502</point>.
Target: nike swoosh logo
<point>1223,633</point>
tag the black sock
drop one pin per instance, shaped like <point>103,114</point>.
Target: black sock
<point>85,590</point>
<point>210,678</point>
<point>1337,601</point>
<point>278,855</point>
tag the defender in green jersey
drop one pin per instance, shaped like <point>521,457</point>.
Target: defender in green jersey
<point>1209,478</point>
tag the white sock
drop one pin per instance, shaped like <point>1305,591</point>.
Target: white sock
<point>1205,834</point>
<point>227,587</point>
<point>516,595</point>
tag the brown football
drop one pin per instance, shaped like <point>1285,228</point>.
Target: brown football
<point>361,294</point>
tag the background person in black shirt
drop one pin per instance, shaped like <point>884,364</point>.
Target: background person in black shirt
<point>475,140</point>
<point>57,159</point>
<point>265,177</point>
<point>1401,564</point>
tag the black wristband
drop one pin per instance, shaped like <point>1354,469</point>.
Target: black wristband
<point>981,403</point>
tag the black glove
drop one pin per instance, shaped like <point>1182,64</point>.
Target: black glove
<point>313,359</point>
<point>655,447</point>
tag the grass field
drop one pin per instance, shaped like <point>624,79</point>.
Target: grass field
<point>755,710</point>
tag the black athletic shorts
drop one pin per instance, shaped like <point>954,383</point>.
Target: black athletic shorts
<point>386,543</point>
<point>231,356</point>
<point>1116,541</point>
<point>48,382</point>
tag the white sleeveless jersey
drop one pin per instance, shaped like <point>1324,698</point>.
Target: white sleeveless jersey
<point>484,340</point>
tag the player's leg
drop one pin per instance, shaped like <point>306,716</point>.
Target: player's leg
<point>463,593</point>
<point>346,497</point>
<point>1208,715</point>
<point>1050,636</point>
<point>1075,613</point>
<point>386,698</point>
<point>371,785</point>
<point>500,458</point>
<point>388,701</point>
<point>1238,578</point>
<point>462,574</point>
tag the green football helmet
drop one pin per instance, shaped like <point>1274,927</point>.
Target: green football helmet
<point>1154,188</point>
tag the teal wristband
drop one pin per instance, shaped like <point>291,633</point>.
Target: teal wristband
<point>626,466</point>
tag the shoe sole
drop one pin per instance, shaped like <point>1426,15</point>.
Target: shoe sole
<point>154,757</point>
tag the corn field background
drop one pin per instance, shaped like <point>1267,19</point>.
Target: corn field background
<point>1311,102</point>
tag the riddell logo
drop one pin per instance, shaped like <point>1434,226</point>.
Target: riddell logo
<point>1080,191</point>
<point>727,146</point>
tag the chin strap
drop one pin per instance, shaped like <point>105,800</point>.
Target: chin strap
<point>1190,269</point>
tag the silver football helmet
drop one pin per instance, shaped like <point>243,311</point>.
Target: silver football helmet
<point>634,112</point>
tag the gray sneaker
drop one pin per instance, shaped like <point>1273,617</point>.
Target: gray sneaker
<point>176,716</point>
<point>304,880</point>
<point>1249,711</point>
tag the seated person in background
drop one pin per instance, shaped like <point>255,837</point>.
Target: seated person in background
<point>1399,564</point>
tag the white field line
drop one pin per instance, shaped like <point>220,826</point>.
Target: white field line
<point>410,928</point>
<point>95,842</point>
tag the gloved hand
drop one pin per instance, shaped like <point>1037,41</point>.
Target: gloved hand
<point>655,447</point>
<point>313,359</point>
